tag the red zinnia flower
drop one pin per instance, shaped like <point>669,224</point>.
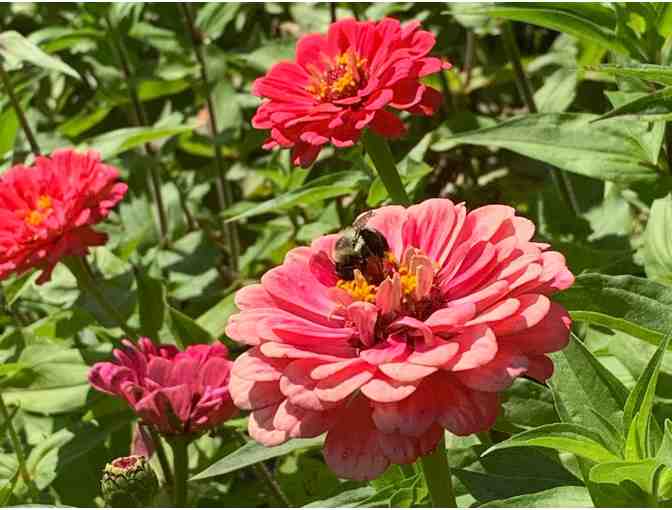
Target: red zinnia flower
<point>46,211</point>
<point>384,352</point>
<point>178,393</point>
<point>342,82</point>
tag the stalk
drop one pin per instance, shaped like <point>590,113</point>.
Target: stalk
<point>30,136</point>
<point>180,470</point>
<point>18,450</point>
<point>437,475</point>
<point>141,118</point>
<point>376,146</point>
<point>560,179</point>
<point>224,192</point>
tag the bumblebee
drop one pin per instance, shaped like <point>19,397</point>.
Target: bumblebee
<point>361,247</point>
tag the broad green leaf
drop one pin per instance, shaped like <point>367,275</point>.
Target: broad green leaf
<point>642,473</point>
<point>593,23</point>
<point>664,453</point>
<point>350,498</point>
<point>657,246</point>
<point>15,49</point>
<point>566,497</point>
<point>186,330</point>
<point>151,304</point>
<point>649,72</point>
<point>212,18</point>
<point>214,320</point>
<point>329,186</point>
<point>569,141</point>
<point>582,387</point>
<point>525,405</point>
<point>9,127</point>
<point>121,140</point>
<point>252,453</point>
<point>60,383</point>
<point>652,107</point>
<point>558,91</point>
<point>634,305</point>
<point>18,286</point>
<point>564,437</point>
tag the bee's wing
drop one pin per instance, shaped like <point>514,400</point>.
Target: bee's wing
<point>361,220</point>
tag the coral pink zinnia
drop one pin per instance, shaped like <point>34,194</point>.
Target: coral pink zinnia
<point>418,341</point>
<point>178,393</point>
<point>345,81</point>
<point>46,211</point>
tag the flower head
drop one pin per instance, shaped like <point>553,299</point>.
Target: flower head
<point>129,482</point>
<point>388,346</point>
<point>344,82</point>
<point>177,392</point>
<point>46,211</point>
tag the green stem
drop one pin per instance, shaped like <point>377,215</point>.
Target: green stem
<point>86,283</point>
<point>18,450</point>
<point>437,475</point>
<point>560,179</point>
<point>381,155</point>
<point>223,187</point>
<point>161,454</point>
<point>180,470</point>
<point>141,118</point>
<point>4,76</point>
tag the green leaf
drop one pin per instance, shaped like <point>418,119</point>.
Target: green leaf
<point>564,437</point>
<point>9,127</point>
<point>566,497</point>
<point>121,140</point>
<point>634,305</point>
<point>213,18</point>
<point>18,287</point>
<point>657,246</point>
<point>15,49</point>
<point>638,409</point>
<point>614,152</point>
<point>642,473</point>
<point>649,72</point>
<point>582,387</point>
<point>186,330</point>
<point>332,185</point>
<point>651,107</point>
<point>351,498</point>
<point>592,23</point>
<point>151,304</point>
<point>214,320</point>
<point>252,453</point>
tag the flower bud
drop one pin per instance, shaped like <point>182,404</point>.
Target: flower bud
<point>129,482</point>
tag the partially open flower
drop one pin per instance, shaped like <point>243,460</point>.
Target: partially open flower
<point>129,482</point>
<point>178,393</point>
<point>344,82</point>
<point>410,326</point>
<point>47,210</point>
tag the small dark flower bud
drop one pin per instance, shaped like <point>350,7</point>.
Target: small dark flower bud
<point>129,482</point>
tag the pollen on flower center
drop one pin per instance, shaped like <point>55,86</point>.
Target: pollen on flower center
<point>359,288</point>
<point>40,213</point>
<point>342,78</point>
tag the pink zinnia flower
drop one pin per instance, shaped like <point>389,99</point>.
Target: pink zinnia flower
<point>178,393</point>
<point>418,341</point>
<point>46,211</point>
<point>342,82</point>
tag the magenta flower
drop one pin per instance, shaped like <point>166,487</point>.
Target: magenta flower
<point>420,340</point>
<point>179,393</point>
<point>345,81</point>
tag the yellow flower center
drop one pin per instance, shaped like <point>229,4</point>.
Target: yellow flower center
<point>341,79</point>
<point>42,211</point>
<point>408,281</point>
<point>359,288</point>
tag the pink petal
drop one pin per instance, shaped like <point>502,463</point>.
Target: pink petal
<point>384,352</point>
<point>540,368</point>
<point>339,386</point>
<point>478,346</point>
<point>299,388</point>
<point>250,395</point>
<point>451,318</point>
<point>384,389</point>
<point>549,335</point>
<point>533,308</point>
<point>497,375</point>
<point>436,355</point>
<point>412,416</point>
<point>461,410</point>
<point>406,372</point>
<point>299,422</point>
<point>260,427</point>
<point>254,366</point>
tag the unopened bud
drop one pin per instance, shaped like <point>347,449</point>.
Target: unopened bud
<point>129,482</point>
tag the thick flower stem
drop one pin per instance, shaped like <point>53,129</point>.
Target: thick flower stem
<point>161,454</point>
<point>77,266</point>
<point>437,475</point>
<point>180,470</point>
<point>223,187</point>
<point>381,155</point>
<point>30,136</point>
<point>560,179</point>
<point>18,450</point>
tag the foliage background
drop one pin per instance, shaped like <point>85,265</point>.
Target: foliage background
<point>596,188</point>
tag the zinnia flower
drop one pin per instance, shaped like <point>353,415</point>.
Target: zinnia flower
<point>46,211</point>
<point>420,340</point>
<point>178,393</point>
<point>342,82</point>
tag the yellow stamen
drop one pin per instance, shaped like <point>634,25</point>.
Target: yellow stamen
<point>34,218</point>
<point>44,202</point>
<point>37,216</point>
<point>359,288</point>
